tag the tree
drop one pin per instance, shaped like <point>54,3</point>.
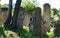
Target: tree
<point>8,20</point>
<point>16,12</point>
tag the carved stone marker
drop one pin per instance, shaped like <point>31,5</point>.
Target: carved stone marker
<point>37,22</point>
<point>20,18</point>
<point>46,18</point>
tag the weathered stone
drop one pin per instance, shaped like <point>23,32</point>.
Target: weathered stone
<point>31,23</point>
<point>46,18</point>
<point>20,17</point>
<point>0,17</point>
<point>57,30</point>
<point>27,19</point>
<point>3,14</point>
<point>37,21</point>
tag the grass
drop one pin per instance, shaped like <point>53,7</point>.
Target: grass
<point>23,33</point>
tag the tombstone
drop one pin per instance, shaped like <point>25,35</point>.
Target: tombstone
<point>20,17</point>
<point>37,22</point>
<point>26,19</point>
<point>57,28</point>
<point>3,14</point>
<point>31,23</point>
<point>46,18</point>
<point>0,16</point>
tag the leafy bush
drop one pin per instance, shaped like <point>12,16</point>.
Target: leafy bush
<point>29,6</point>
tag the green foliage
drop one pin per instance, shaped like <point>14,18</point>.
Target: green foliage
<point>29,7</point>
<point>23,33</point>
<point>51,33</point>
<point>59,12</point>
<point>54,15</point>
<point>4,6</point>
<point>55,11</point>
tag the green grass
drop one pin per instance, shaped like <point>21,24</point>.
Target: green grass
<point>23,33</point>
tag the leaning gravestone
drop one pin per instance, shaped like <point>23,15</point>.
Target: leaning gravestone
<point>37,21</point>
<point>46,18</point>
<point>20,17</point>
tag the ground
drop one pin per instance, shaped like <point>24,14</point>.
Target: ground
<point>22,33</point>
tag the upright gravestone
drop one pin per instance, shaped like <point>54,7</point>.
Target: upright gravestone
<point>37,21</point>
<point>0,16</point>
<point>46,18</point>
<point>3,14</point>
<point>57,30</point>
<point>20,17</point>
<point>26,19</point>
<point>31,23</point>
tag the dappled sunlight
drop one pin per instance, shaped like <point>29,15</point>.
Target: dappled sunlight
<point>56,18</point>
<point>26,28</point>
<point>51,33</point>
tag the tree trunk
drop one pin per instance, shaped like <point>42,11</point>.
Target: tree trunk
<point>16,12</point>
<point>8,20</point>
<point>9,13</point>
